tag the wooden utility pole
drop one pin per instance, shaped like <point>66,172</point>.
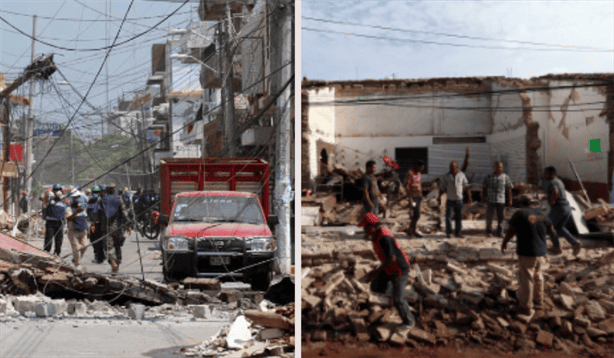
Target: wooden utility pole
<point>29,123</point>
<point>228,86</point>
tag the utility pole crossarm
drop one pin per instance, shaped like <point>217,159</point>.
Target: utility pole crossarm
<point>42,67</point>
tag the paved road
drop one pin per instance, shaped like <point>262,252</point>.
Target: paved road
<point>102,338</point>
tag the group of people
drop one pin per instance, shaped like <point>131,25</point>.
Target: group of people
<point>98,213</point>
<point>529,224</point>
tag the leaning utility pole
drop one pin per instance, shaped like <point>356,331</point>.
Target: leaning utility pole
<point>228,93</point>
<point>29,123</point>
<point>281,54</point>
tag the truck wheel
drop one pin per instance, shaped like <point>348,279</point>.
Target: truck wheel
<point>261,280</point>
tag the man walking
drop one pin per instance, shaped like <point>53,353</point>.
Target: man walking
<point>54,209</point>
<point>560,212</point>
<point>110,213</point>
<point>77,226</point>
<point>370,189</point>
<point>414,193</point>
<point>530,225</point>
<point>23,202</point>
<point>453,184</point>
<point>496,185</point>
<point>394,268</point>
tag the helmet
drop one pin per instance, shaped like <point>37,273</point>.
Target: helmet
<point>368,219</point>
<point>103,187</point>
<point>56,187</point>
<point>95,189</point>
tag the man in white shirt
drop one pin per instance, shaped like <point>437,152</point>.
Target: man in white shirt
<point>453,184</point>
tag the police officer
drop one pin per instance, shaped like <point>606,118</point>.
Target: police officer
<point>54,209</point>
<point>92,213</point>
<point>111,213</point>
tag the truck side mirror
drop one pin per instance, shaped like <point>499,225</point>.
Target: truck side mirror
<point>163,220</point>
<point>272,221</point>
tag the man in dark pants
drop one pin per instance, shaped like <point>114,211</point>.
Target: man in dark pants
<point>94,232</point>
<point>54,208</point>
<point>111,211</point>
<point>560,212</point>
<point>453,184</point>
<point>394,267</point>
<point>414,193</point>
<point>530,226</point>
<point>370,189</point>
<point>496,185</point>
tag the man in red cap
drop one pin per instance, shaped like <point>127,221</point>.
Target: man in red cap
<point>394,267</point>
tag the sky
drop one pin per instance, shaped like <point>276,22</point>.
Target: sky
<point>416,39</point>
<point>84,24</point>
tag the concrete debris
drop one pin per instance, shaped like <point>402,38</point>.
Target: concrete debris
<point>469,297</point>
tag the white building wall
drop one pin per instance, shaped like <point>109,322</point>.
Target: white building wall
<point>321,123</point>
<point>427,114</point>
<point>593,167</point>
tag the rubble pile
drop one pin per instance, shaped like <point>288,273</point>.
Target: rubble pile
<point>463,303</point>
<point>264,332</point>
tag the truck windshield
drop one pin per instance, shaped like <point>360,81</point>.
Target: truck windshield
<point>218,209</point>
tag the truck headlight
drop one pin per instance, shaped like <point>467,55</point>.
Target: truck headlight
<point>174,243</point>
<point>260,244</point>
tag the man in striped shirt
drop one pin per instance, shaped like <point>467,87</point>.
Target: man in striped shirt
<point>394,268</point>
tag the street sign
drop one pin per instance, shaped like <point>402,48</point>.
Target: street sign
<point>47,130</point>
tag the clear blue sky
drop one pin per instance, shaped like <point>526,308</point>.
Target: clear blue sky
<point>83,24</point>
<point>434,36</point>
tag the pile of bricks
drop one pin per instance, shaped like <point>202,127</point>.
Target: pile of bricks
<point>464,303</point>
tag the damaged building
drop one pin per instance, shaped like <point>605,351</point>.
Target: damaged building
<point>526,124</point>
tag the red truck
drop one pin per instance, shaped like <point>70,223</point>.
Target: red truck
<point>214,214</point>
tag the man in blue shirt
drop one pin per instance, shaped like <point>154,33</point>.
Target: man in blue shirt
<point>54,210</point>
<point>530,226</point>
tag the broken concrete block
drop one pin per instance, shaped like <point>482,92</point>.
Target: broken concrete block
<point>582,322</point>
<point>411,295</point>
<point>5,305</point>
<point>595,332</point>
<point>607,306</point>
<point>270,333</point>
<point>499,269</point>
<point>421,336</point>
<point>478,325</point>
<point>566,328</point>
<point>545,338</point>
<point>203,284</point>
<point>457,269</point>
<point>518,327</point>
<point>427,290</point>
<point>375,316</point>
<point>43,309</point>
<point>489,254</point>
<point>60,306</point>
<point>360,328</point>
<point>311,301</point>
<point>383,301</point>
<point>399,338</point>
<point>569,290</point>
<point>503,322</point>
<point>23,304</point>
<point>436,301</point>
<point>136,311</point>
<point>448,285</point>
<point>76,308</point>
<point>525,344</point>
<point>239,333</point>
<point>384,331</point>
<point>594,311</point>
<point>566,301</point>
<point>200,311</point>
<point>607,325</point>
<point>428,276</point>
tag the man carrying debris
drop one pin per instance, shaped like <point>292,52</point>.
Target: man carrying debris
<point>453,184</point>
<point>414,193</point>
<point>77,226</point>
<point>496,185</point>
<point>560,212</point>
<point>530,225</point>
<point>371,190</point>
<point>54,209</point>
<point>394,267</point>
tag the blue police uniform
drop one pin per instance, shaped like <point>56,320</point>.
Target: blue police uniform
<point>111,211</point>
<point>55,211</point>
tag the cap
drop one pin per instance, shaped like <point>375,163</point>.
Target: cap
<point>95,189</point>
<point>75,193</point>
<point>56,186</point>
<point>526,199</point>
<point>368,219</point>
<point>391,163</point>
